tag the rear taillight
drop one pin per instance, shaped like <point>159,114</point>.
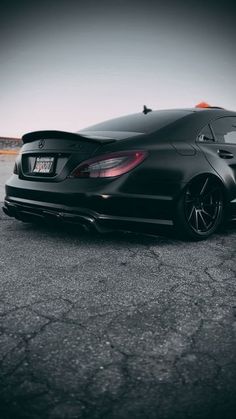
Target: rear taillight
<point>109,165</point>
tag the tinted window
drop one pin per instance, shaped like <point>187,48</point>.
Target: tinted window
<point>225,130</point>
<point>139,122</point>
<point>206,135</point>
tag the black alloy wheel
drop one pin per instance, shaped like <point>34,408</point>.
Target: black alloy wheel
<point>201,208</point>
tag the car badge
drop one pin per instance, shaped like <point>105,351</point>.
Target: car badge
<point>41,143</point>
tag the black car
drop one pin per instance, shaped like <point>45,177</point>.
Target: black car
<point>154,168</point>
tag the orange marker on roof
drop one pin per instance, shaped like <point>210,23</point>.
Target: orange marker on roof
<point>202,105</point>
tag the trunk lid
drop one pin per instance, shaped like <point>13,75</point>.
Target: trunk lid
<point>52,155</point>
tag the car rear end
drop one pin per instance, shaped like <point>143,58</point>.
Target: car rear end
<point>111,176</point>
<point>64,176</point>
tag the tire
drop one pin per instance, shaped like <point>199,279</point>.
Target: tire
<point>200,209</point>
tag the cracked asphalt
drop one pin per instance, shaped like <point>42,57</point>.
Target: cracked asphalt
<point>116,326</point>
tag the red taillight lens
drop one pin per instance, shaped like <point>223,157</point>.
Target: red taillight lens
<point>109,165</point>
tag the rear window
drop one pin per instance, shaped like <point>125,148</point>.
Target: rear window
<point>139,122</point>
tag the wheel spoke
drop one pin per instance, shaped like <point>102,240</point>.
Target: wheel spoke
<point>203,221</point>
<point>211,192</point>
<point>204,186</point>
<point>196,218</point>
<point>207,213</point>
<point>191,213</point>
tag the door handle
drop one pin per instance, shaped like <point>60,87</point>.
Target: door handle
<point>224,154</point>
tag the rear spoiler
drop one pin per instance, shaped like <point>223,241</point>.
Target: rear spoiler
<point>43,135</point>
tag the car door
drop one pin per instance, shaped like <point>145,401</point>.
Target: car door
<point>218,142</point>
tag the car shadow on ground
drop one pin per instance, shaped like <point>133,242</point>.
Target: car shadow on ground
<point>164,236</point>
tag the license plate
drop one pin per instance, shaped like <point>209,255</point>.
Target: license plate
<point>43,165</point>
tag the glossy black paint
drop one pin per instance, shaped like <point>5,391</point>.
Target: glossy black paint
<point>142,199</point>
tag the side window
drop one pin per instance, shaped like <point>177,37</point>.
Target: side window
<point>225,130</point>
<point>206,135</point>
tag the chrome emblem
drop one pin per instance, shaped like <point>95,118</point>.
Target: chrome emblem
<point>41,143</point>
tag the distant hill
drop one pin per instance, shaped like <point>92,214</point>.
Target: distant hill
<point>9,143</point>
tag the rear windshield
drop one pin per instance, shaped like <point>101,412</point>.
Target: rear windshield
<point>139,122</point>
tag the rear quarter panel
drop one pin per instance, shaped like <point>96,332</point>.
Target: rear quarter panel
<point>166,170</point>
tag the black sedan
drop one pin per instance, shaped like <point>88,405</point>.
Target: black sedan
<point>172,168</point>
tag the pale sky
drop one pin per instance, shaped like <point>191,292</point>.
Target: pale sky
<point>65,65</point>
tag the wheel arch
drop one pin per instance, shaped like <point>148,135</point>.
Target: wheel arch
<point>199,176</point>
<point>182,223</point>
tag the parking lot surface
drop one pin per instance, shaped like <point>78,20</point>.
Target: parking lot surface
<point>116,326</point>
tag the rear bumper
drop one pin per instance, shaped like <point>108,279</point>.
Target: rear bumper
<point>91,220</point>
<point>102,204</point>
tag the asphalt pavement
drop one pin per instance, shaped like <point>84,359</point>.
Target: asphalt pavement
<point>116,326</point>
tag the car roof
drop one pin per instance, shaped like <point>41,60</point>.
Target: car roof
<point>188,127</point>
<point>211,110</point>
<point>179,123</point>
